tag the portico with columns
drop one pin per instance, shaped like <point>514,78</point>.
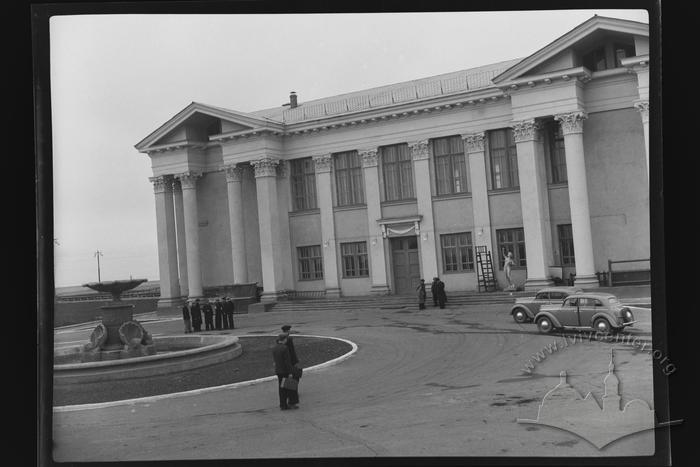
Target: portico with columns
<point>225,198</point>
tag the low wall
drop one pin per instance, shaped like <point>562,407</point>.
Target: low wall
<point>184,352</point>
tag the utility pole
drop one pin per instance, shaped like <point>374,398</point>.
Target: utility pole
<point>97,254</point>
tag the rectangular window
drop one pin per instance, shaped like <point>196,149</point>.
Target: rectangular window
<point>303,181</point>
<point>397,170</point>
<point>504,159</point>
<point>310,262</point>
<point>622,51</point>
<point>355,262</point>
<point>557,153</point>
<point>348,178</point>
<point>450,165</point>
<point>595,60</point>
<point>511,240</point>
<point>566,244</point>
<point>457,252</point>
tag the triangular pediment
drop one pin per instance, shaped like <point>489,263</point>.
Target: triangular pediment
<point>196,122</point>
<point>564,52</point>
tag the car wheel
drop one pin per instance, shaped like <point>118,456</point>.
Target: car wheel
<point>602,325</point>
<point>519,316</point>
<point>545,325</point>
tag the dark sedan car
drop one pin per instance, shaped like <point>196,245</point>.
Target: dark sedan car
<point>600,311</point>
<point>526,308</point>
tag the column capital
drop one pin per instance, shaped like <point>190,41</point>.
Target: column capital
<point>643,108</point>
<point>234,172</point>
<point>474,142</point>
<point>322,163</point>
<point>571,123</point>
<point>419,150</point>
<point>525,130</point>
<point>161,184</point>
<point>176,184</point>
<point>188,180</point>
<point>369,157</point>
<point>265,166</point>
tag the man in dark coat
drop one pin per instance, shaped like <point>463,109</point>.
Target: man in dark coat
<point>442,297</point>
<point>196,313</point>
<point>208,316</point>
<point>296,371</point>
<point>228,313</point>
<point>218,313</point>
<point>434,290</point>
<point>283,369</point>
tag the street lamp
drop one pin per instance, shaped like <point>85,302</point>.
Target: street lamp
<point>97,254</point>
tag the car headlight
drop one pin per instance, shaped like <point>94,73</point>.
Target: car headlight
<point>628,315</point>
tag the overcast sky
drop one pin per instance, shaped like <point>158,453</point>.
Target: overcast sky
<point>116,78</point>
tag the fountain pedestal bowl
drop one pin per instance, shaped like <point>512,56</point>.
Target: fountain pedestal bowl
<point>118,335</point>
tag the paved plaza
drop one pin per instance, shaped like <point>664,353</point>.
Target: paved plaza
<point>421,383</point>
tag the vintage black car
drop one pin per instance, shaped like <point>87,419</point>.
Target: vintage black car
<point>526,308</point>
<point>600,311</point>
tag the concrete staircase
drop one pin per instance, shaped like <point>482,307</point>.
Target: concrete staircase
<point>395,301</point>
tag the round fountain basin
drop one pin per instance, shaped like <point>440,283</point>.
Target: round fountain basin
<point>175,354</point>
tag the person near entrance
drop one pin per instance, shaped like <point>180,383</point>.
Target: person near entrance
<point>208,316</point>
<point>186,317</point>
<point>218,312</point>
<point>296,370</point>
<point>421,294</point>
<point>441,295</point>
<point>196,313</point>
<point>434,290</point>
<point>228,313</point>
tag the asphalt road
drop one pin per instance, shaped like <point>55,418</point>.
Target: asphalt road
<point>422,383</point>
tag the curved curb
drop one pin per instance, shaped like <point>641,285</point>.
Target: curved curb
<point>320,366</point>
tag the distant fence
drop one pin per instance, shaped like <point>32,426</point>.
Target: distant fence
<point>629,276</point>
<point>305,294</point>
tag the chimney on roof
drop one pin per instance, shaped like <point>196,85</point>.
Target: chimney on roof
<point>292,99</point>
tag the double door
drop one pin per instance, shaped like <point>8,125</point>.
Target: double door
<point>405,264</point>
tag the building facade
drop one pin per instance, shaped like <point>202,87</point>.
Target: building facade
<point>365,193</point>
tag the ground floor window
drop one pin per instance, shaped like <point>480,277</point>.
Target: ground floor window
<point>310,262</point>
<point>566,244</point>
<point>355,263</point>
<point>457,252</point>
<point>511,240</point>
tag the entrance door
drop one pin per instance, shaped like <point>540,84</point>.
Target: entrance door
<point>406,264</point>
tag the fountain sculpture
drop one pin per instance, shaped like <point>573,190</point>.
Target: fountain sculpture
<point>118,335</point>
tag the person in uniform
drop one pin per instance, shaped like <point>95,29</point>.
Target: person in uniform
<point>196,314</point>
<point>208,316</point>
<point>442,296</point>
<point>228,313</point>
<point>218,312</point>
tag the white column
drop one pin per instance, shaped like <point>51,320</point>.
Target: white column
<point>180,230</point>
<point>474,147</point>
<point>167,247</point>
<point>535,204</point>
<point>374,213</point>
<point>237,229</point>
<point>322,165</point>
<point>268,220</point>
<point>572,127</point>
<point>188,181</point>
<point>420,153</point>
<point>643,107</point>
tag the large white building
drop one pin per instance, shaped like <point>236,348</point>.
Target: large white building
<point>366,192</point>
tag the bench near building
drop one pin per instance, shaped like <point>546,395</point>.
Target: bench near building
<point>367,192</point>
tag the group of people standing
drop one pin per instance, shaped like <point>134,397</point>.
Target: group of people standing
<point>437,290</point>
<point>286,368</point>
<point>217,313</point>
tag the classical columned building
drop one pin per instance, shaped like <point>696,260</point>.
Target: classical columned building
<point>364,193</point>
